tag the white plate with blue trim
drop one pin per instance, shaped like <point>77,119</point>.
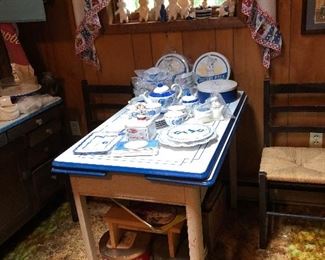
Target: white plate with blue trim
<point>211,66</point>
<point>174,63</point>
<point>189,133</point>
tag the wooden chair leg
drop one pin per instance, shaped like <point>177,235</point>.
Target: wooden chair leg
<point>114,234</point>
<point>173,240</point>
<point>262,210</point>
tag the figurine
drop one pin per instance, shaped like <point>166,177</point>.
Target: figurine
<point>173,10</point>
<point>185,8</point>
<point>143,10</point>
<point>204,4</point>
<point>122,11</point>
<point>157,8</point>
<point>232,6</point>
<point>224,9</point>
<point>163,14</point>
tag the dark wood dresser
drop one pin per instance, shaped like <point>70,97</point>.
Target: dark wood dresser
<point>27,147</point>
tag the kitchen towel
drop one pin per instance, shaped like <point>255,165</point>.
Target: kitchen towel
<point>88,30</point>
<point>261,20</point>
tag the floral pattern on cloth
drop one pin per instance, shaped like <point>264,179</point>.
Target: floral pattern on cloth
<point>263,29</point>
<point>88,30</point>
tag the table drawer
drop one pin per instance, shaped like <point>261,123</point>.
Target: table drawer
<point>44,150</point>
<point>37,121</point>
<point>42,133</point>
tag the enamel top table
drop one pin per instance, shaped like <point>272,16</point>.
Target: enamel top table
<point>175,176</point>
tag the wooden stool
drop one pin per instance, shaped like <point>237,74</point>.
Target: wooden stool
<point>118,218</point>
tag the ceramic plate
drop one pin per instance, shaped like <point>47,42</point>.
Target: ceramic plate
<point>211,66</point>
<point>175,64</point>
<point>19,90</point>
<point>97,143</point>
<point>189,133</point>
<point>164,140</point>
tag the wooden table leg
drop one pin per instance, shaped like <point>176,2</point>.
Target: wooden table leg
<point>233,173</point>
<point>85,225</point>
<point>194,223</point>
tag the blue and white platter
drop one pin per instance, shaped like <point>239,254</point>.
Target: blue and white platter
<point>211,66</point>
<point>174,63</point>
<point>188,139</point>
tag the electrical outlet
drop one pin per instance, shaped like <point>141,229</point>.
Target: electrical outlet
<point>316,140</point>
<point>74,127</point>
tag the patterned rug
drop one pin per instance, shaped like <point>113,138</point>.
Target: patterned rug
<point>58,237</point>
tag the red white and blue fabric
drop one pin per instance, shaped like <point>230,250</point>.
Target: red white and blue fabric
<point>88,30</point>
<point>264,30</point>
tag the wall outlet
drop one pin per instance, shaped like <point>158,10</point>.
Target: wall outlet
<point>316,139</point>
<point>74,127</point>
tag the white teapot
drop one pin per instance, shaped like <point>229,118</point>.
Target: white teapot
<point>164,95</point>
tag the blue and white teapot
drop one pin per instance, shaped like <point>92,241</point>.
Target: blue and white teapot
<point>164,95</point>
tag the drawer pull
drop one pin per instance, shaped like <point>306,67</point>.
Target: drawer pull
<point>39,121</point>
<point>49,131</point>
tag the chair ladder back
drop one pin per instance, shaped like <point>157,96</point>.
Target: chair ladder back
<point>272,90</point>
<point>120,94</point>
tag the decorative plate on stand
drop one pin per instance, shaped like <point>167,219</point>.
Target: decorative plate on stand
<point>175,64</point>
<point>211,66</point>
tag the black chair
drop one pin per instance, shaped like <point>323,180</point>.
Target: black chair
<point>293,167</point>
<point>102,101</point>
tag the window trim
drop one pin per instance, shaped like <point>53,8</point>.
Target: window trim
<point>172,26</point>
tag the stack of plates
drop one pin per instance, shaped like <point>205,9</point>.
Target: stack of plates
<point>187,135</point>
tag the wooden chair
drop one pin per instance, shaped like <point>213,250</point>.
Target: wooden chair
<point>102,101</point>
<point>290,167</point>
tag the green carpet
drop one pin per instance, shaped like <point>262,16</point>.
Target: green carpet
<point>58,237</point>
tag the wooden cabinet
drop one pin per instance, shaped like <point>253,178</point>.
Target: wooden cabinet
<point>26,154</point>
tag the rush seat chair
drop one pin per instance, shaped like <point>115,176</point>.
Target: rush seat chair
<point>293,167</point>
<point>102,101</point>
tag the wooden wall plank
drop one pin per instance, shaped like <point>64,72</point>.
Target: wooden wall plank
<point>116,57</point>
<point>164,43</point>
<point>224,44</point>
<point>280,66</point>
<point>196,43</point>
<point>142,51</point>
<point>249,73</point>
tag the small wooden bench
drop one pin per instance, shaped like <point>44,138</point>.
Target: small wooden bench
<point>117,218</point>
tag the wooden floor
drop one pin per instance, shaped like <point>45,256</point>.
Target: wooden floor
<point>55,236</point>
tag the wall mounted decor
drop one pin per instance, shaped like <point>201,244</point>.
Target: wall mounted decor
<point>313,17</point>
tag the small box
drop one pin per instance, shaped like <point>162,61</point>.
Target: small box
<point>140,129</point>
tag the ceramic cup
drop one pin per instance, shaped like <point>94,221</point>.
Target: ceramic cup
<point>173,118</point>
<point>5,101</point>
<point>203,114</point>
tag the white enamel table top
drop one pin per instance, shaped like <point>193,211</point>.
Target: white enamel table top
<point>194,164</point>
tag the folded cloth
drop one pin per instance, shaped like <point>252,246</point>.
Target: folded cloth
<point>88,31</point>
<point>263,28</point>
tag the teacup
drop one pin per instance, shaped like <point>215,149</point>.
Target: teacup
<point>5,101</point>
<point>203,114</point>
<point>153,109</point>
<point>190,101</point>
<point>174,108</point>
<point>173,118</point>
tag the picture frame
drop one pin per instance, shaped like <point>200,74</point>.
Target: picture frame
<point>313,17</point>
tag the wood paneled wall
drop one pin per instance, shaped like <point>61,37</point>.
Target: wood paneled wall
<point>50,47</point>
